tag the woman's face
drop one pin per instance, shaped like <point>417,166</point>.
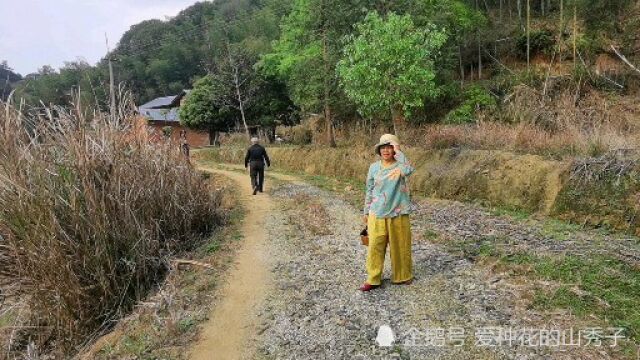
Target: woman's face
<point>386,151</point>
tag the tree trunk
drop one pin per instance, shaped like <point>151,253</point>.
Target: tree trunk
<point>560,32</point>
<point>236,82</point>
<point>528,34</point>
<point>479,59</point>
<point>214,137</point>
<point>519,5</point>
<point>479,54</point>
<point>397,117</point>
<point>461,66</point>
<point>331,141</point>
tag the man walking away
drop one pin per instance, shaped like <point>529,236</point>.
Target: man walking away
<point>255,161</point>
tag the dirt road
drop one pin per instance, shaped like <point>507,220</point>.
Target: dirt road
<point>233,320</point>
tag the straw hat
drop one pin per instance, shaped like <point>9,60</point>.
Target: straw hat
<point>387,139</point>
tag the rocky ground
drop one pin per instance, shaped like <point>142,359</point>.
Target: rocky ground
<point>454,310</point>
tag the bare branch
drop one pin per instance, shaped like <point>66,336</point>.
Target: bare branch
<point>624,59</point>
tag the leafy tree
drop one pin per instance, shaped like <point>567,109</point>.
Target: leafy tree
<point>235,82</point>
<point>309,47</point>
<point>273,106</point>
<point>200,111</point>
<point>388,67</point>
<point>159,58</point>
<point>602,15</point>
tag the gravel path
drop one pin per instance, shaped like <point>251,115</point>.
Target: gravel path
<point>316,311</point>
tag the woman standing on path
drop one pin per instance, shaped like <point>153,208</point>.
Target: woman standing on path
<point>386,211</point>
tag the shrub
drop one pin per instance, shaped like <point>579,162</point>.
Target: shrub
<point>540,42</point>
<point>89,212</point>
<point>167,131</point>
<point>476,98</point>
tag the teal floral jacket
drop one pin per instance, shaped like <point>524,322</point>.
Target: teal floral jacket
<point>387,191</point>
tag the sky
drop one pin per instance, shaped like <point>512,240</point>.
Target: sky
<point>34,33</point>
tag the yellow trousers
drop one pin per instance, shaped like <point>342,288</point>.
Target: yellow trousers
<point>397,233</point>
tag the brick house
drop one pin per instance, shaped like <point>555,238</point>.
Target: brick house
<point>162,116</point>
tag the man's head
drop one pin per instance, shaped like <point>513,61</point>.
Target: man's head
<point>254,140</point>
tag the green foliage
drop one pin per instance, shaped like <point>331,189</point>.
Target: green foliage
<point>540,42</point>
<point>390,64</point>
<point>504,83</point>
<point>167,131</point>
<point>308,49</point>
<point>475,98</point>
<point>76,81</point>
<point>8,80</point>
<point>272,106</point>
<point>602,15</point>
<point>454,15</point>
<point>200,111</point>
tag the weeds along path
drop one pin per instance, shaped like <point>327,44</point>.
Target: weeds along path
<point>227,333</point>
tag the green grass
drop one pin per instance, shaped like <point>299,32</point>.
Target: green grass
<point>564,298</point>
<point>212,246</point>
<point>605,287</point>
<point>487,247</point>
<point>559,230</point>
<point>597,285</point>
<point>231,231</point>
<point>518,258</point>
<point>136,344</point>
<point>7,319</point>
<point>515,213</point>
<point>186,324</point>
<point>430,235</point>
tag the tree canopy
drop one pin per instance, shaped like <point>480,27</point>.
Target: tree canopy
<point>308,57</point>
<point>388,67</point>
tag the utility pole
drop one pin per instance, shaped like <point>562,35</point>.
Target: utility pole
<point>112,90</point>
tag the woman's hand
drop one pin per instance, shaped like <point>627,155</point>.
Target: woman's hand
<point>396,147</point>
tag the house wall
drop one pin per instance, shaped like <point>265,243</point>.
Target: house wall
<point>194,138</point>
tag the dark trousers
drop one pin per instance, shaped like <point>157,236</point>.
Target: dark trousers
<point>257,175</point>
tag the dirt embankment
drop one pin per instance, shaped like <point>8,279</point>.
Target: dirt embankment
<point>602,191</point>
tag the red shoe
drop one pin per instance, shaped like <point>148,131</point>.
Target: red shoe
<point>368,287</point>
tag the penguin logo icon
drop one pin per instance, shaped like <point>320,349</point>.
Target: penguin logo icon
<point>385,336</point>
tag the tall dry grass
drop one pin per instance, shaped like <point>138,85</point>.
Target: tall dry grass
<point>565,125</point>
<point>90,210</point>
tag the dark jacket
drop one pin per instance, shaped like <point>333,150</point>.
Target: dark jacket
<point>257,155</point>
